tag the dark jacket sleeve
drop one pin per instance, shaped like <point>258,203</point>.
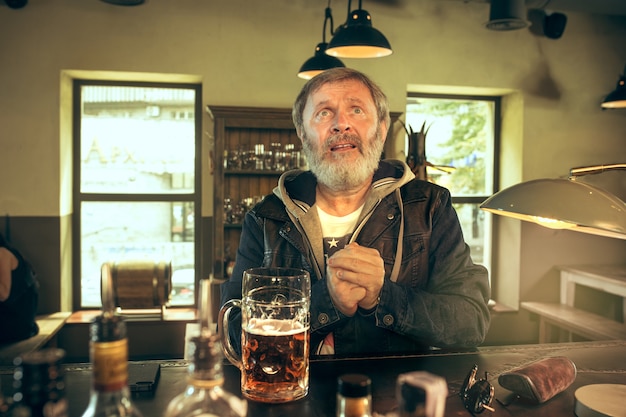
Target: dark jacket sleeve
<point>450,308</point>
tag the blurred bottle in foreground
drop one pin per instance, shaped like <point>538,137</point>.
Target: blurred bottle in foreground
<point>421,394</point>
<point>108,353</point>
<point>354,396</point>
<point>39,384</point>
<point>204,395</point>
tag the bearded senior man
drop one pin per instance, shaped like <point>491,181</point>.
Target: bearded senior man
<point>389,268</point>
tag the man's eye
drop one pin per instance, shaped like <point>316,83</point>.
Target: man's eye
<point>358,110</point>
<point>324,113</point>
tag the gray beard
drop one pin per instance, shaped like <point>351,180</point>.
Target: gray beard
<point>339,176</point>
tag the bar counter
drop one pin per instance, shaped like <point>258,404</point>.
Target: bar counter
<point>596,362</point>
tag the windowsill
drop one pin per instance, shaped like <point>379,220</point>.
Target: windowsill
<point>499,308</point>
<point>173,314</point>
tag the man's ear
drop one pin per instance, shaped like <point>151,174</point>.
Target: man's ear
<point>299,134</point>
<point>384,129</point>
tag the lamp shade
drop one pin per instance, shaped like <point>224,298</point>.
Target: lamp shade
<point>562,204</point>
<point>617,98</point>
<point>507,15</point>
<point>125,2</point>
<point>318,63</point>
<point>357,38</point>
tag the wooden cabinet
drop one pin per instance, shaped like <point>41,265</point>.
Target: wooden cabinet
<point>253,146</point>
<point>241,178</point>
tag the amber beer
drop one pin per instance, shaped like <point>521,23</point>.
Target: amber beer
<point>275,360</point>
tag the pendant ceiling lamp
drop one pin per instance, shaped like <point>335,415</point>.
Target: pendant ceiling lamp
<point>617,98</point>
<point>507,15</point>
<point>16,4</point>
<point>320,61</point>
<point>357,38</point>
<point>125,2</point>
<point>564,204</point>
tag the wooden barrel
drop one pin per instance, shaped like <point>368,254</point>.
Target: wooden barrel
<point>141,283</point>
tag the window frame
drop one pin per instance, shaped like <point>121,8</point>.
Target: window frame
<point>497,142</point>
<point>78,197</point>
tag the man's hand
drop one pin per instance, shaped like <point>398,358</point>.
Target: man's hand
<point>355,277</point>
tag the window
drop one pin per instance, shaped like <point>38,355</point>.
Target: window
<point>461,144</point>
<point>136,181</point>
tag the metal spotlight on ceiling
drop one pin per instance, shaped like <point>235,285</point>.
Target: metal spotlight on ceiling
<point>507,15</point>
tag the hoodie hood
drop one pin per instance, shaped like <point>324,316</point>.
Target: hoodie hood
<point>297,188</point>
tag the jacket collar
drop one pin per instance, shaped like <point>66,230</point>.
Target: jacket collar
<point>298,187</point>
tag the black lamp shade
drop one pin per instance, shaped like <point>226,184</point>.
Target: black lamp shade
<point>318,63</point>
<point>16,4</point>
<point>357,38</point>
<point>125,2</point>
<point>617,98</point>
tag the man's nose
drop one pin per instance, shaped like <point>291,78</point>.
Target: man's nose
<point>341,123</point>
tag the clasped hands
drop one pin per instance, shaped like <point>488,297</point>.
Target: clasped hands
<point>355,276</point>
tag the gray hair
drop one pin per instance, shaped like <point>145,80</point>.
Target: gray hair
<point>336,75</point>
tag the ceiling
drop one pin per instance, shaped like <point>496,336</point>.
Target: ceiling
<point>607,7</point>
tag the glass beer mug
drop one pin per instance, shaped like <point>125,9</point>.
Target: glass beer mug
<point>275,333</point>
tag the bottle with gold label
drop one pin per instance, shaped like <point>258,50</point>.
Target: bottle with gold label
<point>108,353</point>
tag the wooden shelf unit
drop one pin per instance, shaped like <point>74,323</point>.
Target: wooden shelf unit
<point>235,128</point>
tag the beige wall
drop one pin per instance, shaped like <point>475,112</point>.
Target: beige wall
<point>247,53</point>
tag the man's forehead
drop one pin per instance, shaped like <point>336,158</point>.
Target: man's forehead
<point>351,90</point>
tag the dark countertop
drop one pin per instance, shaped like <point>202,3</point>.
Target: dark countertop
<point>596,362</point>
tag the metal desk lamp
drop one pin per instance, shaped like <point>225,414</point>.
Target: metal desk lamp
<point>564,203</point>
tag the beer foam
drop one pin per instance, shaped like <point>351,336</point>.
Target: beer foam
<point>273,327</point>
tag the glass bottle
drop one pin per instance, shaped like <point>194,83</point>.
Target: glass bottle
<point>108,353</point>
<point>421,394</point>
<point>39,384</point>
<point>354,396</point>
<point>204,395</point>
<point>5,403</point>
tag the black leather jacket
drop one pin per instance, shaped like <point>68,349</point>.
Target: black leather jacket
<point>435,297</point>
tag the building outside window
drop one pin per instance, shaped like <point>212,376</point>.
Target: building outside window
<point>136,188</point>
<point>462,141</point>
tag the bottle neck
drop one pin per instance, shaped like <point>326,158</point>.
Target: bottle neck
<point>205,368</point>
<point>206,384</point>
<point>109,402</point>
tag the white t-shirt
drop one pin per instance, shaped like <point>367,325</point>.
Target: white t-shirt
<point>337,232</point>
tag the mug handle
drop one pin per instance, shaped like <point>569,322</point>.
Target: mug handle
<point>227,347</point>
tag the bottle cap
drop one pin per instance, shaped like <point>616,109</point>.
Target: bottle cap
<point>354,385</point>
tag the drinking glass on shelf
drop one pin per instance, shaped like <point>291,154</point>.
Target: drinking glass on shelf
<point>268,160</point>
<point>248,158</point>
<point>276,148</point>
<point>233,159</point>
<point>228,210</point>
<point>259,152</point>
